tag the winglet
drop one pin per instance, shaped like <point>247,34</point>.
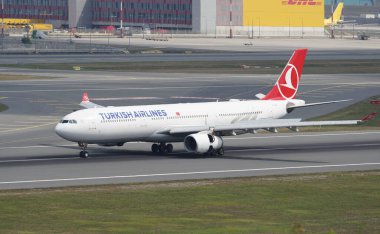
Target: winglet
<point>375,102</point>
<point>369,117</point>
<point>85,97</point>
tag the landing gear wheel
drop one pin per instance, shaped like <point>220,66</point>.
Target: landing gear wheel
<point>83,154</point>
<point>211,151</point>
<point>162,148</point>
<point>220,151</point>
<point>155,148</point>
<point>169,148</point>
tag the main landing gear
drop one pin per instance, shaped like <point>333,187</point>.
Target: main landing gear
<point>162,148</point>
<point>213,152</point>
<point>83,153</point>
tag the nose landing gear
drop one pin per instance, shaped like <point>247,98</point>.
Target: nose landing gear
<point>83,153</point>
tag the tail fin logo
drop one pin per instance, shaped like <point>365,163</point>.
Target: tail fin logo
<point>288,84</point>
<point>85,97</point>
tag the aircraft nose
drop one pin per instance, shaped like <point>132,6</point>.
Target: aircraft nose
<point>61,131</point>
<point>58,129</point>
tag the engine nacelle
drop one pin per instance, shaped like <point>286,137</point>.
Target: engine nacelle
<point>201,142</point>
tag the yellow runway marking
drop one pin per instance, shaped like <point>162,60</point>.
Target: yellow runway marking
<point>27,128</point>
<point>42,101</point>
<point>30,122</point>
<point>60,104</point>
<point>14,125</point>
<point>24,140</point>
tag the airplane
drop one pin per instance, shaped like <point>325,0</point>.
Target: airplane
<point>200,126</point>
<point>337,16</point>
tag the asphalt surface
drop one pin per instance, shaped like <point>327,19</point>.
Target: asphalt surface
<point>56,164</point>
<point>31,155</point>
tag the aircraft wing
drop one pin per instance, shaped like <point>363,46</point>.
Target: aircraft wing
<point>280,123</point>
<point>264,124</point>
<point>86,103</point>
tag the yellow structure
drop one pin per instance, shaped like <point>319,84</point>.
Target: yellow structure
<point>335,19</point>
<point>283,13</point>
<point>42,27</point>
<point>14,21</point>
<point>34,24</point>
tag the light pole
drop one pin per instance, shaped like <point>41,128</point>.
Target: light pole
<point>332,19</point>
<point>2,18</point>
<point>231,19</point>
<point>121,19</point>
<point>2,24</point>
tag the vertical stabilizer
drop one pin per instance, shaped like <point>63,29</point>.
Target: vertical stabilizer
<point>287,84</point>
<point>336,17</point>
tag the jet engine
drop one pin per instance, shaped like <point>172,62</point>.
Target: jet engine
<point>202,143</point>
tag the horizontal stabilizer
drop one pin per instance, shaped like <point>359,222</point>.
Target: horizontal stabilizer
<point>318,103</point>
<point>260,96</point>
<point>86,103</point>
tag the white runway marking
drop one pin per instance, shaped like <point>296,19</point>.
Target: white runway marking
<point>187,173</point>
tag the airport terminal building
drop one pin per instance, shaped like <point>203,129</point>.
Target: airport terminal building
<point>219,17</point>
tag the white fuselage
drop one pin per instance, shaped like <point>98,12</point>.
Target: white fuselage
<point>148,123</point>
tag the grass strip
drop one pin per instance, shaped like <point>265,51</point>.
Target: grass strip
<point>346,202</point>
<point>220,67</point>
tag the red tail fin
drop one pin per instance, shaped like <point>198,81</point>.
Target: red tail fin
<point>85,97</point>
<point>287,84</point>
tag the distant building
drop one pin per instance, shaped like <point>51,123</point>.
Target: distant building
<point>47,10</point>
<point>236,17</point>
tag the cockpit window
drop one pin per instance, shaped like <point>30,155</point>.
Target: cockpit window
<point>71,121</point>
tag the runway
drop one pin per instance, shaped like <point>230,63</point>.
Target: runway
<point>32,156</point>
<point>52,164</point>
